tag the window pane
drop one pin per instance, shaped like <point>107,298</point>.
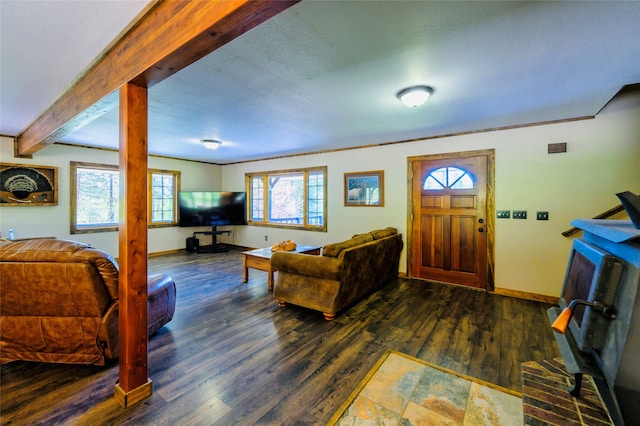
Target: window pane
<point>286,197</point>
<point>448,177</point>
<point>432,183</point>
<point>453,174</point>
<point>440,175</point>
<point>97,197</point>
<point>163,194</point>
<point>464,182</point>
<point>257,198</point>
<point>315,198</point>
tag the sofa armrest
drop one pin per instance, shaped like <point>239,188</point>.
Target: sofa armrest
<point>108,332</point>
<point>307,264</point>
<point>161,304</point>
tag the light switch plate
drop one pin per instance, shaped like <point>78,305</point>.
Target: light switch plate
<point>503,214</point>
<point>542,215</point>
<point>519,214</point>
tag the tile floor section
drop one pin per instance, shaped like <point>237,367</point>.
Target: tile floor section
<point>546,397</point>
<point>402,390</point>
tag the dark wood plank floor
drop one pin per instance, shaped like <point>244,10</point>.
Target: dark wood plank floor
<point>232,356</point>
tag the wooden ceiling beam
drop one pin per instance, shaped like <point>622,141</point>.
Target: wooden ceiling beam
<point>167,37</point>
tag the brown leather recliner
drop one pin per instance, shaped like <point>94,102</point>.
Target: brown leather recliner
<point>59,302</point>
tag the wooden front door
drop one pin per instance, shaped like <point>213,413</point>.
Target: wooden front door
<point>449,221</point>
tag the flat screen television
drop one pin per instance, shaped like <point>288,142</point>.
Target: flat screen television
<point>213,208</point>
<point>593,275</point>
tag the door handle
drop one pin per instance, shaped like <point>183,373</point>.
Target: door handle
<point>480,229</point>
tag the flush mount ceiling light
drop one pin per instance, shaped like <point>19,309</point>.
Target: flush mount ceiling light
<point>415,96</point>
<point>210,143</point>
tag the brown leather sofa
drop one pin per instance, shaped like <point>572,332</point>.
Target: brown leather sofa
<point>59,302</point>
<point>344,273</point>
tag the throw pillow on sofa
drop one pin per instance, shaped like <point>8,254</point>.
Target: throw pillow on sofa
<point>334,250</point>
<point>382,233</point>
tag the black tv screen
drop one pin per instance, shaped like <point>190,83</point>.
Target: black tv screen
<point>214,208</point>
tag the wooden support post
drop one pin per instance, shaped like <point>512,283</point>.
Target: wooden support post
<point>134,384</point>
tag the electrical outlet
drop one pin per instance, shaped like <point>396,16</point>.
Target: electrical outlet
<point>519,214</point>
<point>542,215</point>
<point>503,214</point>
<point>266,238</point>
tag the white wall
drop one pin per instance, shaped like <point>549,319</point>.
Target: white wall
<point>54,220</point>
<point>603,158</point>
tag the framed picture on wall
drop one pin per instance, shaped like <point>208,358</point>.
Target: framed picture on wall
<point>28,185</point>
<point>364,189</point>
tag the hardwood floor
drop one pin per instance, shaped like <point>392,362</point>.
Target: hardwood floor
<point>232,356</point>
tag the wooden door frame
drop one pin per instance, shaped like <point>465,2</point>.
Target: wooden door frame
<point>491,159</point>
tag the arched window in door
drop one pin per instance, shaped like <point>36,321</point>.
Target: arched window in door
<point>448,178</point>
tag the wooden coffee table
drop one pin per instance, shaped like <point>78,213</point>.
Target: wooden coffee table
<point>261,259</point>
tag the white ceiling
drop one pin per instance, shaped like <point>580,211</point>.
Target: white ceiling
<point>324,74</point>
